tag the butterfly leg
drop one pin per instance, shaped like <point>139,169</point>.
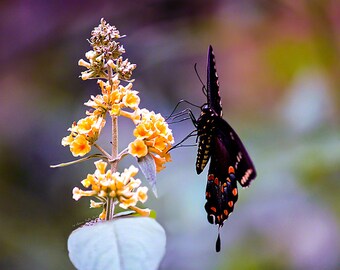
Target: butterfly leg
<point>191,134</point>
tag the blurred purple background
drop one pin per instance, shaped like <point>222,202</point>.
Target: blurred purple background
<point>278,63</point>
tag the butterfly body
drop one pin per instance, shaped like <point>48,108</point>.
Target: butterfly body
<point>205,132</point>
<point>219,143</point>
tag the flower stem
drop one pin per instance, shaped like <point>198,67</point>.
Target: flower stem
<point>110,203</point>
<point>120,156</point>
<point>106,154</point>
<point>110,209</point>
<point>114,154</point>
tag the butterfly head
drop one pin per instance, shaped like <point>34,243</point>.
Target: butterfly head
<point>205,107</point>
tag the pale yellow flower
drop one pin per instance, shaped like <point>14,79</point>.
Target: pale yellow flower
<point>138,148</point>
<point>142,194</point>
<point>80,146</point>
<point>123,187</point>
<point>142,131</point>
<point>134,116</point>
<point>152,136</point>
<point>67,140</point>
<point>131,99</point>
<point>85,125</point>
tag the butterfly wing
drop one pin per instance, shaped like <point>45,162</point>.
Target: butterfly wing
<point>229,163</point>
<point>213,108</point>
<point>213,93</point>
<point>221,190</point>
<point>238,156</point>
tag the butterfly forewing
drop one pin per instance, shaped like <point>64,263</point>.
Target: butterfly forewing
<point>213,107</point>
<point>213,93</point>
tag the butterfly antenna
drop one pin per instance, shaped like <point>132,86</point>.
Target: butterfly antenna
<point>204,89</point>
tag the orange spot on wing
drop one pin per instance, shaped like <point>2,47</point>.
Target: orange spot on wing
<point>230,203</point>
<point>234,191</point>
<point>211,177</point>
<point>213,209</point>
<point>231,170</point>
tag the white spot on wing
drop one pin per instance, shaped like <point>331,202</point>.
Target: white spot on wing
<point>239,156</point>
<point>246,176</point>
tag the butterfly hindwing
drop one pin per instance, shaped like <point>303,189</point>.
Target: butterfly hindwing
<point>221,190</point>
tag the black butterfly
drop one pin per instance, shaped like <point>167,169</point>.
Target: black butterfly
<point>229,160</point>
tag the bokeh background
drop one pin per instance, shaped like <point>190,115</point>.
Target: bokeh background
<point>279,69</point>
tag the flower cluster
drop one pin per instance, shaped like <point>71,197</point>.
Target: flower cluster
<point>103,40</point>
<point>114,98</point>
<point>83,134</point>
<point>122,187</point>
<point>152,136</point>
<point>106,52</point>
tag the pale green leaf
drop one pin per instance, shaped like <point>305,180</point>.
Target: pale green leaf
<point>129,243</point>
